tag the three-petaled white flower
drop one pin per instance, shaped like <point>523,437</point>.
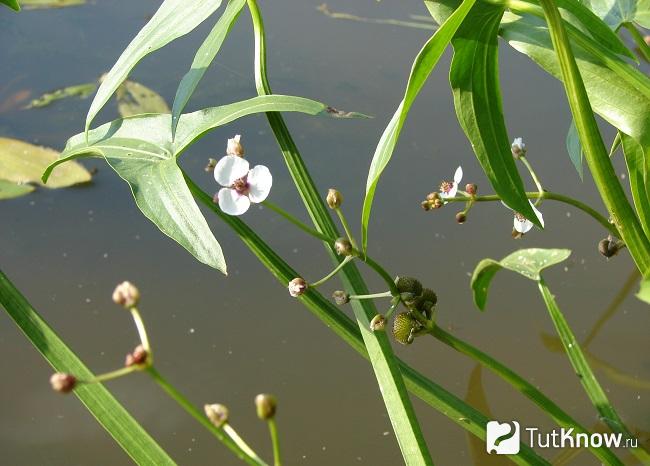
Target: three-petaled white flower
<point>241,185</point>
<point>521,224</point>
<point>450,188</point>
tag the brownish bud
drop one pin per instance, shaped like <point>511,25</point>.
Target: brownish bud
<point>126,295</point>
<point>471,189</point>
<point>136,358</point>
<point>426,205</point>
<point>609,247</point>
<point>210,166</point>
<point>63,383</point>
<point>378,323</point>
<point>266,406</point>
<point>343,247</point>
<point>461,217</point>
<point>341,297</point>
<point>297,287</point>
<point>234,146</point>
<point>218,414</point>
<point>334,198</point>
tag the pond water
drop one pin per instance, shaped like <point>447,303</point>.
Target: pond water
<point>226,339</point>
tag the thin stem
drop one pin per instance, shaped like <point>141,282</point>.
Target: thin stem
<point>385,294</point>
<point>346,227</point>
<point>333,272</point>
<point>640,42</point>
<point>246,454</point>
<point>555,197</point>
<point>142,332</point>
<point>533,175</point>
<point>232,433</point>
<point>275,440</point>
<point>294,220</point>
<point>382,273</point>
<point>113,374</point>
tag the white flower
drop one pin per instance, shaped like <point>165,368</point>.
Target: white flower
<point>241,185</point>
<point>449,188</point>
<point>521,224</point>
<point>518,147</point>
<point>297,287</point>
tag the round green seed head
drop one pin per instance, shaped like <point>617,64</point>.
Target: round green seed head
<point>402,328</point>
<point>409,285</point>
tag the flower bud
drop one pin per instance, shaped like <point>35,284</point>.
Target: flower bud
<point>609,247</point>
<point>341,297</point>
<point>63,383</point>
<point>137,357</point>
<point>461,217</point>
<point>378,323</point>
<point>409,285</point>
<point>471,189</point>
<point>403,327</point>
<point>518,148</point>
<point>266,406</point>
<point>210,166</point>
<point>427,302</point>
<point>218,414</point>
<point>343,247</point>
<point>334,198</point>
<point>647,39</point>
<point>234,146</point>
<point>297,287</point>
<point>126,295</point>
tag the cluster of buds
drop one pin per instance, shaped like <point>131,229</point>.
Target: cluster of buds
<point>420,303</point>
<point>432,201</point>
<point>138,357</point>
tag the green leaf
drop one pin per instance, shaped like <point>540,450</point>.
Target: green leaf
<point>10,190</point>
<point>173,19</point>
<point>617,12</point>
<point>477,98</point>
<point>43,4</point>
<point>574,149</point>
<point>13,4</point>
<point>527,262</point>
<point>80,90</point>
<point>140,149</point>
<point>424,63</point>
<point>638,173</point>
<point>644,291</point>
<point>126,431</point>
<point>134,98</point>
<point>203,57</point>
<point>22,163</point>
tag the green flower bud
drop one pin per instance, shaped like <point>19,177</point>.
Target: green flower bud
<point>334,199</point>
<point>409,285</point>
<point>403,327</point>
<point>218,414</point>
<point>266,406</point>
<point>343,247</point>
<point>341,297</point>
<point>378,323</point>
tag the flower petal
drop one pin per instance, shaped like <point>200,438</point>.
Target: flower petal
<point>458,176</point>
<point>523,226</point>
<point>233,203</point>
<point>454,189</point>
<point>229,169</point>
<point>259,183</point>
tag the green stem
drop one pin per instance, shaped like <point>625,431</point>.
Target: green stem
<point>142,332</point>
<point>275,440</point>
<point>245,454</point>
<point>294,220</point>
<point>116,374</point>
<point>332,273</point>
<point>587,378</point>
<point>600,165</point>
<point>524,387</point>
<point>640,42</point>
<point>382,273</point>
<point>346,227</point>
<point>385,294</point>
<point>533,175</point>
<point>555,197</point>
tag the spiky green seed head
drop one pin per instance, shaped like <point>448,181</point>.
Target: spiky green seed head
<point>403,326</point>
<point>409,285</point>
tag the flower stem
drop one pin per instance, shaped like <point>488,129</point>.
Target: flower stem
<point>142,332</point>
<point>294,220</point>
<point>333,272</point>
<point>238,447</point>
<point>385,294</point>
<point>555,197</point>
<point>346,227</point>
<point>533,175</point>
<point>275,440</point>
<point>640,42</point>
<point>113,374</point>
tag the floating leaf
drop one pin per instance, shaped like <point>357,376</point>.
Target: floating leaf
<point>22,163</point>
<point>41,4</point>
<point>527,262</point>
<point>134,98</point>
<point>324,8</point>
<point>80,90</point>
<point>574,149</point>
<point>644,291</point>
<point>9,189</point>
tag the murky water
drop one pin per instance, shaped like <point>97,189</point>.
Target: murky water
<point>227,339</point>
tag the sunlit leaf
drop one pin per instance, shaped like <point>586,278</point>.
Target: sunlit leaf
<point>13,4</point>
<point>9,189</point>
<point>134,98</point>
<point>42,4</point>
<point>638,173</point>
<point>477,97</point>
<point>203,57</point>
<point>644,291</point>
<point>173,19</point>
<point>527,262</point>
<point>574,149</point>
<point>141,150</point>
<point>617,12</point>
<point>424,63</point>
<point>80,90</point>
<point>22,163</point>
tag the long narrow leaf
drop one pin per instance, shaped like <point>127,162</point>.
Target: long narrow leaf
<point>203,57</point>
<point>126,431</point>
<point>173,19</point>
<point>423,65</point>
<point>637,168</point>
<point>13,4</point>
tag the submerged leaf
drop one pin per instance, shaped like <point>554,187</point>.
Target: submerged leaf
<point>527,262</point>
<point>9,189</point>
<point>134,98</point>
<point>22,163</point>
<point>80,90</point>
<point>42,4</point>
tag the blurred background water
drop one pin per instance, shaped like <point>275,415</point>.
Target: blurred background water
<point>226,339</point>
